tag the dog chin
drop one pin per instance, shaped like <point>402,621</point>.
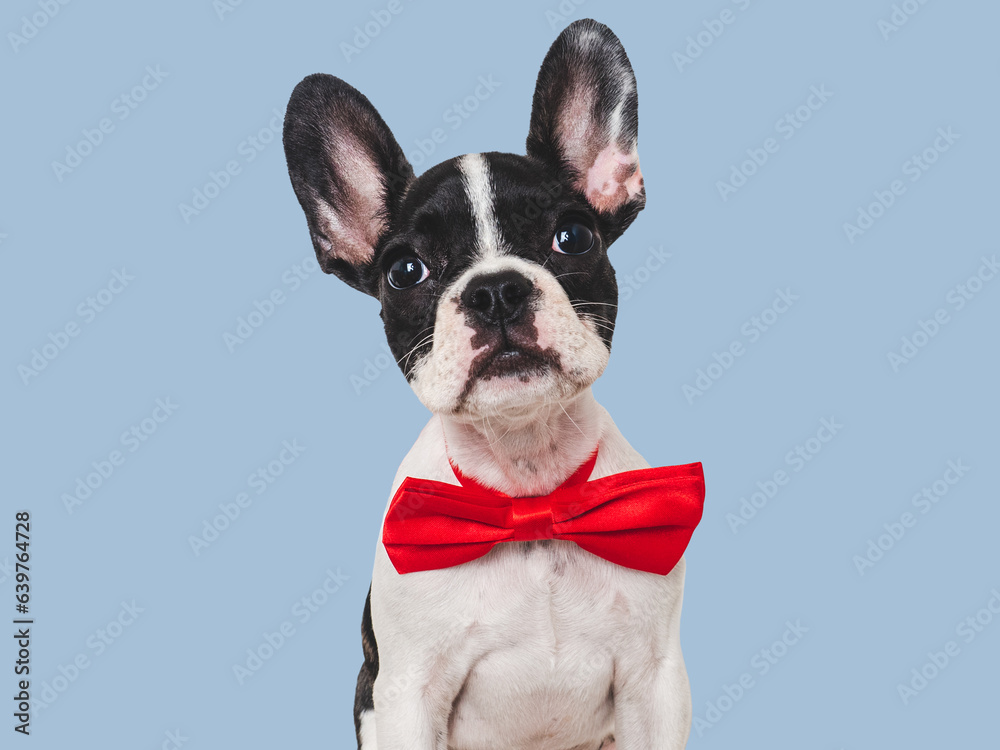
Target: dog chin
<point>504,389</point>
<point>516,393</point>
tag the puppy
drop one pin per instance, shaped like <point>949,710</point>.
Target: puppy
<point>499,303</point>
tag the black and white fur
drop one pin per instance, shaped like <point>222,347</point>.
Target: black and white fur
<point>536,644</point>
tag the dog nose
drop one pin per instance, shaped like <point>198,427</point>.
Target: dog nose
<point>498,298</point>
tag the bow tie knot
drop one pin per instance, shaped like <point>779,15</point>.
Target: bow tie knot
<point>531,518</point>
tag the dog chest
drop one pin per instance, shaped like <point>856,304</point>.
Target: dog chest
<point>547,655</point>
<point>529,631</point>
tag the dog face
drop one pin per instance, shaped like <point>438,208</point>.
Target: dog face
<point>492,269</point>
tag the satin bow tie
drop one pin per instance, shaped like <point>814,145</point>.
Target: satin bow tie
<point>638,519</point>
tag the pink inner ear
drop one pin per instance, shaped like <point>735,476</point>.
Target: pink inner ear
<point>355,226</point>
<point>613,179</point>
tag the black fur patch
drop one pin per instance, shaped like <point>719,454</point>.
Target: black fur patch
<point>364,696</point>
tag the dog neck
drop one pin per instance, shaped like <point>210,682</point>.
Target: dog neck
<point>529,454</point>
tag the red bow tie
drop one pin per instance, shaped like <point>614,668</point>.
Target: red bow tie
<point>638,519</point>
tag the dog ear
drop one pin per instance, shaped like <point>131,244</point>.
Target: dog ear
<point>348,172</point>
<point>585,120</point>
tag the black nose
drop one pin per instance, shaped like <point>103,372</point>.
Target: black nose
<point>498,298</point>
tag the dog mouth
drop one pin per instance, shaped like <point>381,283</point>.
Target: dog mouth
<point>509,368</point>
<point>510,351</point>
<point>511,361</point>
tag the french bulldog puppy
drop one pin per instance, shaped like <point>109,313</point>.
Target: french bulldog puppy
<point>499,303</point>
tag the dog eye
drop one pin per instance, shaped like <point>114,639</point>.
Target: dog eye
<point>407,271</point>
<point>573,238</point>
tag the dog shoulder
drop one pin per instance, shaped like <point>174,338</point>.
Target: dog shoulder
<point>615,454</point>
<point>427,458</point>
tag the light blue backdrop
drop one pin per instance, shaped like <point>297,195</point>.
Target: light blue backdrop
<point>117,303</point>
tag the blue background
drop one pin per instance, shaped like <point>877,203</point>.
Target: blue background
<point>162,337</point>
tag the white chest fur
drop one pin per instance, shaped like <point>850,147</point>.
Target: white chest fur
<point>535,645</point>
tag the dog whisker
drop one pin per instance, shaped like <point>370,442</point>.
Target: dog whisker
<point>413,350</point>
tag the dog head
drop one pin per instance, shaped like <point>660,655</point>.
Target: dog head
<point>492,269</point>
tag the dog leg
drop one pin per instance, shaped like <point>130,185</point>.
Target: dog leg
<point>407,716</point>
<point>654,711</point>
<point>365,727</point>
<point>652,694</point>
<point>414,693</point>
